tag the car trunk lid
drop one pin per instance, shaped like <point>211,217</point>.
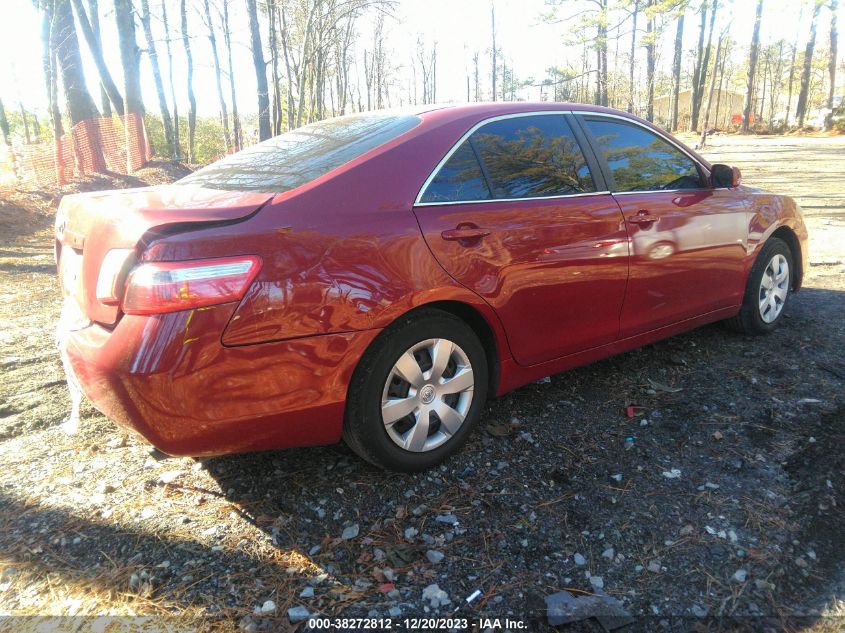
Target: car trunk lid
<point>90,225</point>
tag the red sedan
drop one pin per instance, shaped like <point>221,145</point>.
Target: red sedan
<point>375,277</point>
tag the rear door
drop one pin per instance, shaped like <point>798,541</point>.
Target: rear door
<point>516,213</point>
<point>688,240</point>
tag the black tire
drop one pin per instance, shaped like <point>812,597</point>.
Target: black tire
<point>749,320</point>
<point>363,429</point>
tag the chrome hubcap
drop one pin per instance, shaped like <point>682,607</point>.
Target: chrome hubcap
<point>427,395</point>
<point>774,286</point>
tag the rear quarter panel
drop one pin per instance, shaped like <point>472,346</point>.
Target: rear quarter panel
<point>343,253</point>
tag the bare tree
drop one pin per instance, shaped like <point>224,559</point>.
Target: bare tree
<point>676,72</point>
<point>752,67</point>
<point>274,65</point>
<point>650,63</point>
<point>224,113</point>
<point>91,31</point>
<point>494,70</point>
<point>192,102</point>
<point>260,72</point>
<point>705,127</point>
<point>831,64</point>
<point>227,39</point>
<point>80,105</point>
<point>792,69</point>
<point>152,55</point>
<point>601,52</point>
<point>633,58</point>
<point>475,76</point>
<point>94,17</point>
<point>177,148</point>
<point>698,88</point>
<point>803,93</point>
<point>130,57</point>
<point>4,126</point>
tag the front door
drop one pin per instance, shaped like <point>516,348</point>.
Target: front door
<point>687,246</point>
<point>514,215</point>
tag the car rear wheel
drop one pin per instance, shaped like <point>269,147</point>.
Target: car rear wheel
<point>767,290</point>
<point>417,393</point>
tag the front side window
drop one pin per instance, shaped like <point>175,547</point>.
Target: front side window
<point>640,160</point>
<point>297,157</point>
<point>518,157</point>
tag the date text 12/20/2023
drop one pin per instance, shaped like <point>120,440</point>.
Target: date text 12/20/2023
<point>415,624</point>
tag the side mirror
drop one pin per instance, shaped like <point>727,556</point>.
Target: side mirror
<point>725,176</point>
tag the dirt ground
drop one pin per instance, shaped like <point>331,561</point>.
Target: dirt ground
<point>718,507</point>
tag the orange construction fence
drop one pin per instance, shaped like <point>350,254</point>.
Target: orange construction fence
<point>102,145</point>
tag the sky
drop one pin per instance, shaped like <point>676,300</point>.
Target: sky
<point>460,27</point>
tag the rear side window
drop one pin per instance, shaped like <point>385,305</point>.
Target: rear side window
<point>459,179</point>
<point>519,157</point>
<point>641,160</point>
<point>297,157</point>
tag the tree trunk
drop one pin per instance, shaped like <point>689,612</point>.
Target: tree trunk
<point>49,68</point>
<point>632,59</point>
<point>4,126</point>
<point>288,69</point>
<point>601,45</point>
<point>705,127</point>
<point>94,17</point>
<point>224,113</point>
<point>702,76</point>
<point>676,72</point>
<point>153,57</point>
<point>92,37</point>
<point>130,56</point>
<point>236,121</point>
<point>697,69</point>
<point>274,67</point>
<point>25,121</point>
<point>476,77</point>
<point>192,102</point>
<point>80,105</point>
<point>752,68</point>
<point>649,65</point>
<point>176,142</point>
<point>721,83</point>
<point>792,70</point>
<point>831,64</point>
<point>803,93</point>
<point>493,32</point>
<point>260,72</point>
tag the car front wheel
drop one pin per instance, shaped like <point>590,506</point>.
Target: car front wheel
<point>767,290</point>
<point>417,393</point>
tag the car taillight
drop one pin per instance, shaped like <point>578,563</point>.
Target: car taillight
<point>110,270</point>
<point>159,287</point>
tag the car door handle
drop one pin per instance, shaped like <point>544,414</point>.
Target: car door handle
<point>643,217</point>
<point>464,233</point>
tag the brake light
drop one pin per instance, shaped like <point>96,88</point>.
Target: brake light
<point>159,287</point>
<point>110,270</point>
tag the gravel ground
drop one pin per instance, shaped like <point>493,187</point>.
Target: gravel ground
<point>718,506</point>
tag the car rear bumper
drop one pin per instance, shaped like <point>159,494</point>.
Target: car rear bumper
<point>169,378</point>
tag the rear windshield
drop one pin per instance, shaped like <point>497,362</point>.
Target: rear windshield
<point>295,158</point>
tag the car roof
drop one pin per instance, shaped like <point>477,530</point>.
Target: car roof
<point>495,108</point>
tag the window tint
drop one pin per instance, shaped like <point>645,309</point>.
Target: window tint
<point>642,161</point>
<point>532,156</point>
<point>459,179</point>
<point>295,158</point>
